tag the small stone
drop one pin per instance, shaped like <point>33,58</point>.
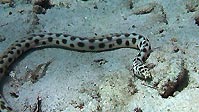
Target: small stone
<point>137,109</point>
<point>38,9</point>
<point>5,1</point>
<point>10,13</point>
<point>175,49</point>
<point>2,38</point>
<point>173,39</point>
<point>43,3</point>
<point>161,31</point>
<point>191,6</point>
<point>95,7</point>
<point>197,21</point>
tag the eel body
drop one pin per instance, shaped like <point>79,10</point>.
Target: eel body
<point>83,44</point>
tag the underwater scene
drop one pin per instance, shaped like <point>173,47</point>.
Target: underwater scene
<point>99,55</point>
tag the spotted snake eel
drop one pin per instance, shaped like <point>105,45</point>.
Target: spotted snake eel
<point>95,44</point>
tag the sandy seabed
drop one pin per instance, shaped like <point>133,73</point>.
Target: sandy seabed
<point>102,82</point>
